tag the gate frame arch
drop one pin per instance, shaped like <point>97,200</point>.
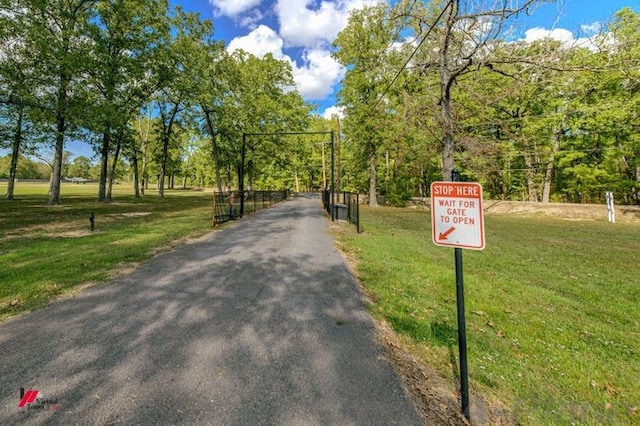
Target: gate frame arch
<point>331,186</point>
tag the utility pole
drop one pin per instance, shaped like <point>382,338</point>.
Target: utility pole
<point>338,147</point>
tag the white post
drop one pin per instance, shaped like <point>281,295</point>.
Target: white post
<point>610,207</point>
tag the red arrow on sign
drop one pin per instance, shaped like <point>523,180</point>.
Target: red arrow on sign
<point>444,235</point>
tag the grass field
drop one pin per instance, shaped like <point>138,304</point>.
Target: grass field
<point>552,305</point>
<point>553,318</point>
<point>48,250</point>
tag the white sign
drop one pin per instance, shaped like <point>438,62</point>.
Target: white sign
<point>457,219</point>
<point>611,209</point>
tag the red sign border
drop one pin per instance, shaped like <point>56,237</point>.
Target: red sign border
<point>480,211</point>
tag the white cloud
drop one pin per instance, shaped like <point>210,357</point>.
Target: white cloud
<point>233,8</point>
<point>591,29</point>
<point>318,75</point>
<point>259,42</point>
<point>567,38</point>
<point>333,110</point>
<point>314,78</point>
<point>301,25</point>
<point>251,19</point>
<point>538,33</point>
<point>310,25</point>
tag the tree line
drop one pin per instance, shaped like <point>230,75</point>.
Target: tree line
<point>536,120</point>
<point>430,86</point>
<point>139,81</point>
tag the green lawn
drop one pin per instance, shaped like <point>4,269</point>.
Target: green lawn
<point>49,250</point>
<point>553,318</point>
<point>552,305</point>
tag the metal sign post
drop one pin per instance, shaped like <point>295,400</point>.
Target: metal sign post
<point>457,221</point>
<point>462,337</point>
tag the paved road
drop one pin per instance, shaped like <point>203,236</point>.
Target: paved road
<point>258,323</point>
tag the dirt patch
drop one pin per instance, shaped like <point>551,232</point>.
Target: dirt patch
<point>437,399</point>
<point>562,210</point>
<point>132,214</point>
<point>67,229</point>
<point>434,398</point>
<point>59,230</point>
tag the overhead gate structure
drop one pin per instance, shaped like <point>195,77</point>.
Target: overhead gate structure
<point>331,188</point>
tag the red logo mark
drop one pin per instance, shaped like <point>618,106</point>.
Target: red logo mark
<point>27,397</point>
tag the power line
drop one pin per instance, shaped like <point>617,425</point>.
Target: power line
<point>410,57</point>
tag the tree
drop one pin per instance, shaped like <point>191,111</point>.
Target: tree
<point>364,47</point>
<point>625,29</point>
<point>126,37</point>
<point>138,152</point>
<point>55,36</point>
<point>247,94</point>
<point>16,84</point>
<point>80,167</point>
<point>178,67</point>
<point>463,34</point>
<point>214,79</point>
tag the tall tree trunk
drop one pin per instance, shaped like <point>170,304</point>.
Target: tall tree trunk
<point>386,171</point>
<point>548,176</point>
<point>184,178</point>
<point>163,165</point>
<point>214,147</point>
<point>145,143</point>
<point>506,179</point>
<point>166,139</point>
<point>216,163</point>
<point>530,175</point>
<point>15,154</point>
<point>373,198</point>
<point>448,147</point>
<point>297,180</point>
<point>112,172</point>
<point>104,165</point>
<point>447,79</point>
<point>62,100</point>
<point>56,172</point>
<point>136,176</point>
<point>638,184</point>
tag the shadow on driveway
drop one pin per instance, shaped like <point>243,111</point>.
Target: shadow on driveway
<point>257,323</point>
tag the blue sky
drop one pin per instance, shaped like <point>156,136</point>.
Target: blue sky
<point>301,31</point>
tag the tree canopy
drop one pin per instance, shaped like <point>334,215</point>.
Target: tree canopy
<point>430,86</point>
<point>535,121</point>
<point>138,80</point>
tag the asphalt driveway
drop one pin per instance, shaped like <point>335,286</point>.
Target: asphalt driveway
<point>257,323</point>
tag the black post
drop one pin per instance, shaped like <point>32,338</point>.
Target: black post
<point>358,212</point>
<point>241,177</point>
<point>333,202</point>
<point>462,332</point>
<point>92,221</point>
<point>462,337</point>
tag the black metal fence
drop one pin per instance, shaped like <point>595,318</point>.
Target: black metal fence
<point>346,207</point>
<point>234,204</point>
<point>326,201</point>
